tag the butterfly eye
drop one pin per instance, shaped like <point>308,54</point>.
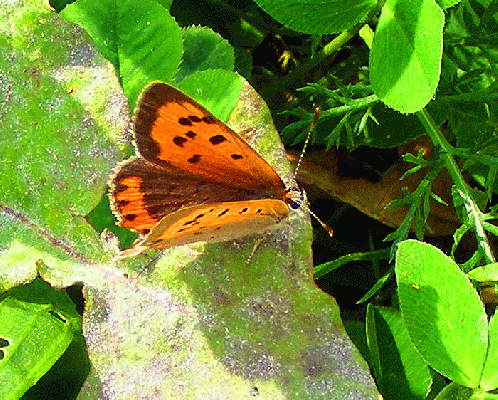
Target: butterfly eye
<point>293,204</point>
<point>294,197</point>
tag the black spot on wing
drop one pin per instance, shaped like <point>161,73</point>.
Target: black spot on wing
<point>194,159</point>
<point>217,139</point>
<point>226,210</point>
<point>130,217</point>
<point>179,141</point>
<point>185,121</point>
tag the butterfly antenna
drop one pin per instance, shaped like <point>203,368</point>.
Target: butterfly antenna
<point>318,110</point>
<point>327,228</point>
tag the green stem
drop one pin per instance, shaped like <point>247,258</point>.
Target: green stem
<point>447,156</point>
<point>323,55</point>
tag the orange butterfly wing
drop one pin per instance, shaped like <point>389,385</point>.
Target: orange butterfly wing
<point>172,129</point>
<point>212,223</point>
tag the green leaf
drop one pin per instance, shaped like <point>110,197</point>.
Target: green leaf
<point>217,90</point>
<point>150,45</point>
<point>442,312</point>
<point>317,17</point>
<point>401,372</point>
<point>377,286</point>
<point>204,49</point>
<point>36,327</point>
<point>325,268</point>
<point>405,60</point>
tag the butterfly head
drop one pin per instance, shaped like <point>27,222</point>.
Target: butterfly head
<point>294,197</point>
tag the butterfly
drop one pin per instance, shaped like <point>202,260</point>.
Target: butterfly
<point>193,179</point>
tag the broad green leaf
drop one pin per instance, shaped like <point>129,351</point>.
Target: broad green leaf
<point>204,50</point>
<point>317,17</point>
<point>217,90</point>
<point>36,327</point>
<point>140,38</point>
<point>405,60</point>
<point>401,371</point>
<point>442,312</point>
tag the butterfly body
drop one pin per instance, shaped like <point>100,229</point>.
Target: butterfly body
<point>194,179</point>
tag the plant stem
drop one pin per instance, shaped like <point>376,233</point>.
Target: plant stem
<point>447,156</point>
<point>353,105</point>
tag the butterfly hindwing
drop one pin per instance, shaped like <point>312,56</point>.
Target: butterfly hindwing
<point>142,194</point>
<point>211,223</point>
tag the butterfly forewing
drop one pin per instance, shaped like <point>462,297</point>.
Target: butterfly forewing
<point>172,129</point>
